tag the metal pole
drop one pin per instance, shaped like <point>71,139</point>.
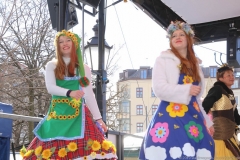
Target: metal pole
<point>83,50</point>
<point>101,87</point>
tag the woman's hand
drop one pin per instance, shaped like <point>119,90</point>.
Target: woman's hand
<point>103,125</point>
<point>195,90</point>
<point>76,94</point>
<point>211,130</point>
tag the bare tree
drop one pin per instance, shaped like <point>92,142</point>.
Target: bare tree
<point>112,59</point>
<point>26,45</point>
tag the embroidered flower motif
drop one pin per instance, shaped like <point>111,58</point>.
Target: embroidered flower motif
<point>160,132</point>
<point>46,153</point>
<point>72,146</point>
<point>175,109</point>
<point>62,152</point>
<point>187,79</point>
<point>28,153</point>
<point>106,145</point>
<point>195,105</point>
<point>96,146</point>
<point>38,150</point>
<point>194,131</point>
<point>103,154</point>
<point>85,158</point>
<point>93,155</point>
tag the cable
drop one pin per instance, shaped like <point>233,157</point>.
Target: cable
<point>210,49</point>
<point>126,46</point>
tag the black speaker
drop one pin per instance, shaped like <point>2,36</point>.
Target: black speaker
<point>6,124</point>
<point>92,3</point>
<point>71,19</point>
<point>233,53</point>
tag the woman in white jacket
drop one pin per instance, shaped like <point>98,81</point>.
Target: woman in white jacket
<point>180,128</point>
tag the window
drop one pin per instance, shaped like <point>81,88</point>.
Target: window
<point>139,92</point>
<point>154,108</point>
<point>124,125</point>
<point>236,99</point>
<point>143,74</point>
<point>213,72</point>
<point>235,84</point>
<point>139,127</point>
<point>139,110</point>
<point>152,93</point>
<point>125,107</point>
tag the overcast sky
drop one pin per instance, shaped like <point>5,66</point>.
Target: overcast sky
<point>144,39</point>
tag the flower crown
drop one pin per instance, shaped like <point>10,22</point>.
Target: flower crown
<point>179,25</point>
<point>224,67</point>
<point>68,34</point>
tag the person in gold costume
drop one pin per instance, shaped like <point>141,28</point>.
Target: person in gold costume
<point>221,103</point>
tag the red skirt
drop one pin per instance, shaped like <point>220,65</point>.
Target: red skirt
<point>92,146</point>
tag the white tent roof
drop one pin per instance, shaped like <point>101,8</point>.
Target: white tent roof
<point>133,143</point>
<point>202,11</point>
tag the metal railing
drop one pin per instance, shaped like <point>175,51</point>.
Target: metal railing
<point>114,136</point>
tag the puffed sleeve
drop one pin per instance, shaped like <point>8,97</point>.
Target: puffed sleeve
<point>90,96</point>
<point>50,81</point>
<point>214,94</point>
<point>178,93</point>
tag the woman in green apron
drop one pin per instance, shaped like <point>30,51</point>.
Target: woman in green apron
<point>71,129</point>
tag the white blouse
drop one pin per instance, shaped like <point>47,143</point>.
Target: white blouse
<point>53,89</point>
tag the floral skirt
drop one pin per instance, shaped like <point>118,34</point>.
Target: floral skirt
<point>177,131</point>
<point>92,146</point>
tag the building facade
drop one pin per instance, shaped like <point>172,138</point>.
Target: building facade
<point>138,102</point>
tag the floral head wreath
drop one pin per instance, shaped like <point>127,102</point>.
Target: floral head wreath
<point>224,67</point>
<point>84,81</point>
<point>179,25</point>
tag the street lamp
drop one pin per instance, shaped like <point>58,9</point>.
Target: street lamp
<point>91,51</point>
<point>95,51</point>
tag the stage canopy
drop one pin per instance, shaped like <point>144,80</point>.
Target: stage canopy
<point>211,19</point>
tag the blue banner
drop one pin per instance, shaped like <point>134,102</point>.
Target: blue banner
<point>4,148</point>
<point>5,124</point>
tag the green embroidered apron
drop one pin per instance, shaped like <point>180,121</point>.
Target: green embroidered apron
<point>65,119</point>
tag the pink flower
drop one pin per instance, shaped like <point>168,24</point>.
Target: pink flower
<point>194,131</point>
<point>160,132</point>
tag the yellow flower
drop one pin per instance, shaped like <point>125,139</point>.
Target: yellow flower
<point>106,145</point>
<point>103,154</point>
<point>187,80</point>
<point>176,110</point>
<point>75,102</point>
<point>62,152</point>
<point>85,158</point>
<point>23,150</point>
<point>89,142</point>
<point>22,154</point>
<point>114,148</point>
<point>72,146</point>
<point>38,150</point>
<point>93,155</point>
<point>46,153</point>
<point>96,146</point>
<point>28,154</point>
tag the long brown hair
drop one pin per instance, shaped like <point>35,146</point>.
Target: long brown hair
<point>189,65</point>
<point>60,66</point>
